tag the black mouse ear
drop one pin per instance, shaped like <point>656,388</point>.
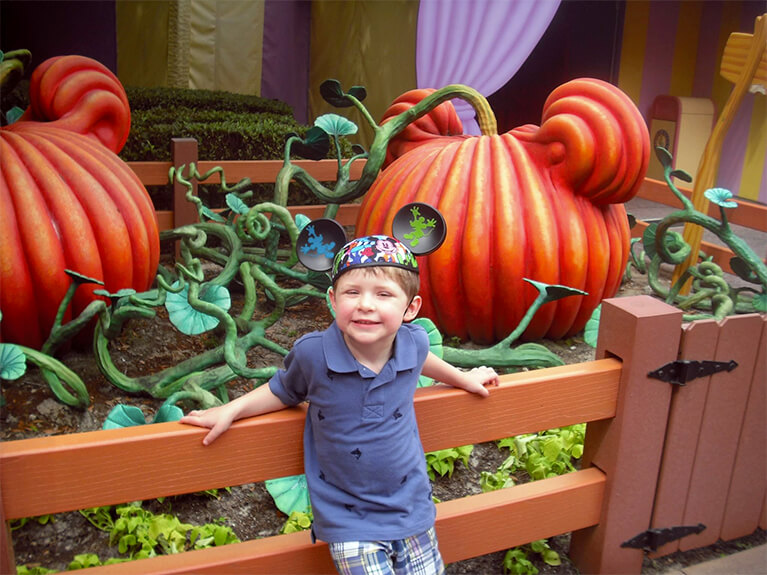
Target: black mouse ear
<point>318,244</point>
<point>420,227</point>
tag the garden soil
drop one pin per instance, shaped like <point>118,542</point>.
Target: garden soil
<point>147,346</point>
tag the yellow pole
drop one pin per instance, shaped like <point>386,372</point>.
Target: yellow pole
<point>743,63</point>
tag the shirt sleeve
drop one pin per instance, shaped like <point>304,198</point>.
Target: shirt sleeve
<point>290,384</point>
<point>421,339</point>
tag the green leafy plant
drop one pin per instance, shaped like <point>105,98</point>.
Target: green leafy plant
<point>500,479</point>
<point>443,462</point>
<point>40,519</point>
<point>517,561</point>
<point>298,521</point>
<point>141,533</point>
<point>86,560</point>
<point>33,570</point>
<point>545,454</point>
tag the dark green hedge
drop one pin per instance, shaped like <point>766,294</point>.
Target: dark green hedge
<point>227,126</point>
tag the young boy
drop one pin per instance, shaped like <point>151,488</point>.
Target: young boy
<point>363,459</point>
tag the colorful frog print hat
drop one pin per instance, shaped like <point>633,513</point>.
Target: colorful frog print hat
<point>417,229</point>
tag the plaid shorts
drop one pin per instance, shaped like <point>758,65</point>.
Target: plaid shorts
<point>416,555</point>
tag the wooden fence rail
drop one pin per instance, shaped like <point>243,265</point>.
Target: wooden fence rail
<point>609,501</point>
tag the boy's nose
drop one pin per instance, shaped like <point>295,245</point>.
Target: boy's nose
<point>366,301</point>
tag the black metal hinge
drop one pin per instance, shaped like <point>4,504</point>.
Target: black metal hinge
<point>651,539</point>
<point>681,371</point>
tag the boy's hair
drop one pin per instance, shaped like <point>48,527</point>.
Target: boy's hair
<point>408,280</point>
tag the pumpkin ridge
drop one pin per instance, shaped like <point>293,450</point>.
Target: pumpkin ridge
<point>573,268</point>
<point>15,275</point>
<point>109,228</point>
<point>139,220</point>
<point>446,263</point>
<point>45,261</point>
<point>477,249</point>
<point>598,258</point>
<point>619,236</point>
<point>541,261</point>
<point>511,243</point>
<point>134,194</point>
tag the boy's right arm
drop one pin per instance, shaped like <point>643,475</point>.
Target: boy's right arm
<point>218,419</point>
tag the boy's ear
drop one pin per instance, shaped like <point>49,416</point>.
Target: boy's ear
<point>413,308</point>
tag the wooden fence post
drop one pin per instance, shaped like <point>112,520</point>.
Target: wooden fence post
<point>644,333</point>
<point>7,558</point>
<point>183,152</point>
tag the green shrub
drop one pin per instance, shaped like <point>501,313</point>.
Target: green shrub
<point>226,126</point>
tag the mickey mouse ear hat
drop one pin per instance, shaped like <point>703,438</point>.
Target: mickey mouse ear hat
<point>418,229</point>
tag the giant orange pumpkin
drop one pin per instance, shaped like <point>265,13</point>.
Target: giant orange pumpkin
<point>542,203</point>
<point>67,201</point>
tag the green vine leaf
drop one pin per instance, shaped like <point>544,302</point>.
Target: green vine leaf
<point>314,146</point>
<point>358,92</point>
<point>672,240</point>
<point>742,270</point>
<point>664,156</point>
<point>13,362</point>
<point>14,114</point>
<point>290,494</point>
<point>236,204</point>
<point>554,292</point>
<point>333,94</point>
<point>168,412</point>
<point>187,319</point>
<point>591,331</point>
<point>435,345</point>
<point>211,215</point>
<point>79,278</point>
<point>336,125</point>
<point>301,221</point>
<point>721,197</point>
<point>124,416</point>
<point>682,175</point>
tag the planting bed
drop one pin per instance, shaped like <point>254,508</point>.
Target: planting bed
<point>147,346</point>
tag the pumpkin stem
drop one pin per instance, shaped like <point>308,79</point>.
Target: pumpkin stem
<point>485,116</point>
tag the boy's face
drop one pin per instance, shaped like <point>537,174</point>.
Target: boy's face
<point>370,306</point>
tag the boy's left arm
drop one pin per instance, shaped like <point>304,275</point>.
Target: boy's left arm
<point>473,380</point>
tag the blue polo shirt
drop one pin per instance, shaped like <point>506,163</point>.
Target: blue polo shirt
<point>363,458</point>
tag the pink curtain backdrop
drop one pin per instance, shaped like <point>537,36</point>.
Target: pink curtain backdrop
<point>479,43</point>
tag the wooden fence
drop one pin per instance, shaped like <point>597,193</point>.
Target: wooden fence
<point>711,470</point>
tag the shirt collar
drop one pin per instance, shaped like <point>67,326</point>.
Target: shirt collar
<point>340,360</point>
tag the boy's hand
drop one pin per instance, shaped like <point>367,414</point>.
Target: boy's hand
<point>217,419</point>
<point>479,377</point>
